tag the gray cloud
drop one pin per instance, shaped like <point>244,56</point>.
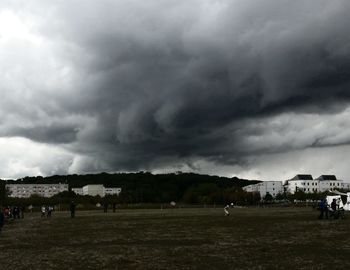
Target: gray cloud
<point>128,86</point>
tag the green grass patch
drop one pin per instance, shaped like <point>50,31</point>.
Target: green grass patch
<point>201,238</point>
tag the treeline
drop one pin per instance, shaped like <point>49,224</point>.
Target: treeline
<point>145,187</point>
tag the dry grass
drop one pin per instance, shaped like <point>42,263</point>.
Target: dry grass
<point>249,238</point>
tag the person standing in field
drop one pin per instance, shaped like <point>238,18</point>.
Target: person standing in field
<point>335,209</point>
<point>72,209</point>
<point>49,211</point>
<point>22,211</point>
<point>43,211</point>
<point>323,207</point>
<point>105,206</point>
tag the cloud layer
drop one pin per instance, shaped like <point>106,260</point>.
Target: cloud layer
<point>202,85</point>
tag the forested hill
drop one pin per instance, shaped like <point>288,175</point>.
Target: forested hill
<point>145,187</point>
<point>124,180</point>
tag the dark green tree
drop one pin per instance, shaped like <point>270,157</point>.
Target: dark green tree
<point>268,197</point>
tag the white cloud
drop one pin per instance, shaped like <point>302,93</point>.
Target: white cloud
<point>283,166</point>
<point>21,157</point>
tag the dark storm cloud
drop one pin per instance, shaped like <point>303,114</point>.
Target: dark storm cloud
<point>186,80</point>
<point>54,134</point>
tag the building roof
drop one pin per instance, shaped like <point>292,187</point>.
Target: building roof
<point>302,177</point>
<point>327,177</point>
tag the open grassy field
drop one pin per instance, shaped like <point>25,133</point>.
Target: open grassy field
<point>250,238</point>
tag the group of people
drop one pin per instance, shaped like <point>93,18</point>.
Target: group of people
<point>13,212</point>
<point>10,212</point>
<point>330,211</point>
<point>46,211</point>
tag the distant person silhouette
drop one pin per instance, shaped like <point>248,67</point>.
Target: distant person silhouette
<point>43,211</point>
<point>334,205</point>
<point>22,211</point>
<point>323,207</point>
<point>72,209</point>
<point>105,207</point>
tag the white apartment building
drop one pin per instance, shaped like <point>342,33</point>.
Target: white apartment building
<point>329,182</point>
<point>307,184</point>
<point>346,185</point>
<point>27,190</point>
<point>271,187</point>
<point>303,182</point>
<point>112,191</point>
<point>96,190</point>
<point>78,191</point>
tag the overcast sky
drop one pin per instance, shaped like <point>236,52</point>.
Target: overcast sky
<point>254,89</point>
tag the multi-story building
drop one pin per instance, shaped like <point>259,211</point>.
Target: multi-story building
<point>78,191</point>
<point>96,190</point>
<point>27,190</point>
<point>300,182</point>
<point>307,184</point>
<point>346,186</point>
<point>329,182</point>
<point>271,187</point>
<point>112,191</point>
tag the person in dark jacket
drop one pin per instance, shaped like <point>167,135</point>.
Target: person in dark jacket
<point>334,205</point>
<point>72,209</point>
<point>323,207</point>
<point>105,206</point>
